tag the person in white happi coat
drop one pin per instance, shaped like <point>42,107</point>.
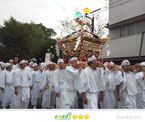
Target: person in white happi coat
<point>35,91</point>
<point>46,86</point>
<point>22,87</point>
<point>58,79</point>
<point>2,81</point>
<point>140,78</point>
<point>43,68</point>
<point>90,84</point>
<point>118,79</point>
<point>128,87</point>
<point>110,86</point>
<point>30,67</point>
<point>71,84</point>
<point>9,88</point>
<point>14,67</point>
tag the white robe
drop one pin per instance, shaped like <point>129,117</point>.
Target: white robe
<point>58,79</point>
<point>15,67</point>
<point>70,88</point>
<point>2,84</point>
<point>109,96</point>
<point>35,92</point>
<point>45,85</point>
<point>21,80</point>
<point>91,82</point>
<point>141,90</point>
<point>128,90</point>
<point>118,80</point>
<point>8,97</point>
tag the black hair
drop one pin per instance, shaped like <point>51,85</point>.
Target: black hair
<point>89,63</point>
<point>7,68</point>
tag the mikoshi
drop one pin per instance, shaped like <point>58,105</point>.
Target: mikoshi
<point>81,44</point>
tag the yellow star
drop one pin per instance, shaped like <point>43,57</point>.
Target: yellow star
<point>75,116</point>
<point>86,116</point>
<point>80,117</point>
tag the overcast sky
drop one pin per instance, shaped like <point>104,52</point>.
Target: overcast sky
<point>47,12</point>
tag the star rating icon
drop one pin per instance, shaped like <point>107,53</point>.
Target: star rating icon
<point>75,116</point>
<point>80,116</point>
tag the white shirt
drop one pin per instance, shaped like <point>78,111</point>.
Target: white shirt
<point>72,76</point>
<point>58,79</point>
<point>129,84</point>
<point>8,77</point>
<point>140,81</point>
<point>91,81</point>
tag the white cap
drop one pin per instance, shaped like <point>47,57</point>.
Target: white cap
<point>125,63</point>
<point>3,65</point>
<point>31,63</point>
<point>1,62</point>
<point>26,61</point>
<point>106,64</point>
<point>74,59</point>
<point>50,63</point>
<point>112,63</point>
<point>60,61</point>
<point>92,58</point>
<point>8,64</point>
<point>11,60</point>
<point>22,62</point>
<point>142,64</point>
<point>35,65</point>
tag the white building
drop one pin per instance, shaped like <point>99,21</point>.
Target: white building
<point>126,31</point>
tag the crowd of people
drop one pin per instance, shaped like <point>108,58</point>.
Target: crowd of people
<point>92,84</point>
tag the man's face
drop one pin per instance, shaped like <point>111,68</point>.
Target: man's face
<point>94,64</point>
<point>143,69</point>
<point>51,66</point>
<point>35,68</point>
<point>11,62</point>
<point>31,65</point>
<point>2,68</point>
<point>61,65</point>
<point>126,68</point>
<point>10,68</point>
<point>22,66</point>
<point>138,67</point>
<point>74,64</point>
<point>26,63</point>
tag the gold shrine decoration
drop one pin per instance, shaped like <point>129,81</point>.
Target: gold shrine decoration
<point>89,43</point>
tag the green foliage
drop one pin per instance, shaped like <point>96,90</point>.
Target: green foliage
<point>25,40</point>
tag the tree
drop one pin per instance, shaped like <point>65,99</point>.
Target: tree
<point>25,40</point>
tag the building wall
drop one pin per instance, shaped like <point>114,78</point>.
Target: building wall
<point>125,38</point>
<point>126,30</point>
<point>143,47</point>
<point>128,46</point>
<point>121,10</point>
